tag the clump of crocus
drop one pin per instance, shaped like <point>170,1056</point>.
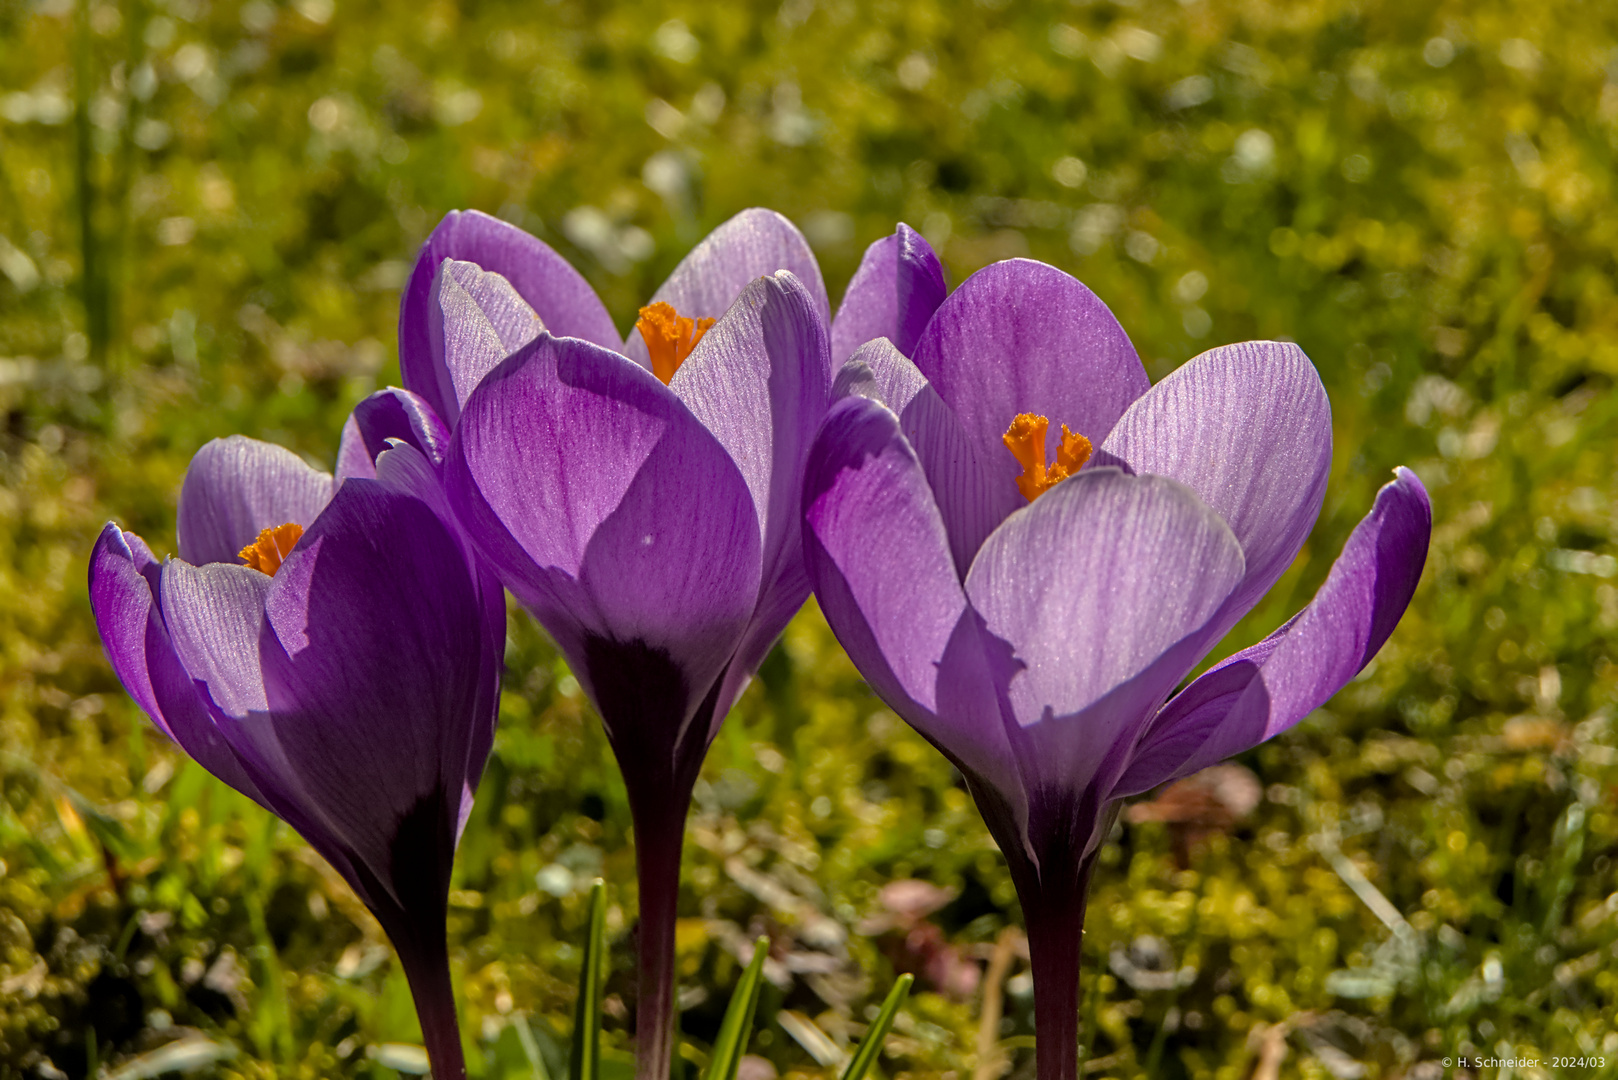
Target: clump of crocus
<point>331,648</point>
<point>639,497</point>
<point>1025,548</point>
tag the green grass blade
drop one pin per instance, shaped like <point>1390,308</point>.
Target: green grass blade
<point>737,1027</point>
<point>865,1057</point>
<point>585,1063</point>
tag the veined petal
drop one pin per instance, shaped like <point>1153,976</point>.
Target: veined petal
<point>753,244</point>
<point>124,583</point>
<point>893,294</point>
<point>564,302</point>
<point>1248,428</point>
<point>607,507</point>
<point>1260,692</point>
<point>478,319</point>
<point>215,616</point>
<point>970,497</point>
<point>236,487</point>
<point>373,658</point>
<point>880,562</point>
<point>1020,336</point>
<point>1086,590</point>
<point>388,414</point>
<point>760,381</point>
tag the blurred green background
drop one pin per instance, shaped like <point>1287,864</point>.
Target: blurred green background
<point>207,209</point>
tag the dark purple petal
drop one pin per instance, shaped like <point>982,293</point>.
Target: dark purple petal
<point>388,414</point>
<point>1089,589</point>
<point>880,563</point>
<point>559,295</point>
<point>1260,692</point>
<point>1248,428</point>
<point>893,294</point>
<point>760,382</point>
<point>235,488</point>
<point>478,320</point>
<point>753,244</point>
<point>122,576</point>
<point>1023,337</point>
<point>374,658</point>
<point>607,507</point>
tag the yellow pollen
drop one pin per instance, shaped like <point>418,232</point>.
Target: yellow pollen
<point>271,548</point>
<point>669,337</point>
<point>1025,438</point>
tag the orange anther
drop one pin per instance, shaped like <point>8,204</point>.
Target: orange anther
<point>271,548</point>
<point>669,337</point>
<point>1025,438</point>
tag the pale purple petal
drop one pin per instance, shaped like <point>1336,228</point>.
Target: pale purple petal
<point>215,615</point>
<point>564,302</point>
<point>1096,580</point>
<point>1023,337</point>
<point>121,598</point>
<point>970,495</point>
<point>391,413</point>
<point>760,382</point>
<point>893,294</point>
<point>880,563</point>
<point>753,244</point>
<point>1264,690</point>
<point>1248,428</point>
<point>478,320</point>
<point>237,487</point>
<point>606,507</point>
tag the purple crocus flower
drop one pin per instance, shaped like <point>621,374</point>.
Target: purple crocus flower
<point>1029,601</point>
<point>346,678</point>
<point>640,498</point>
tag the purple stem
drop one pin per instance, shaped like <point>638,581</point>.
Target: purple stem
<point>1055,921</point>
<point>659,837</point>
<point>426,967</point>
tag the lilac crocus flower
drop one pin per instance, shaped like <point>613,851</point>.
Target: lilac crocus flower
<point>647,518</point>
<point>346,678</point>
<point>1032,618</point>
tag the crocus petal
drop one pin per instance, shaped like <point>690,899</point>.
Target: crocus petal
<point>1248,428</point>
<point>1260,692</point>
<point>893,294</point>
<point>607,507</point>
<point>372,658</point>
<point>755,243</point>
<point>1097,579</point>
<point>124,583</point>
<point>557,293</point>
<point>970,494</point>
<point>215,615</point>
<point>235,488</point>
<point>880,562</point>
<point>478,319</point>
<point>1023,337</point>
<point>760,381</point>
<point>388,414</point>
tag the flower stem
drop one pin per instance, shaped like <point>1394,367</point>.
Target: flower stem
<point>426,967</point>
<point>659,837</point>
<point>1055,935</point>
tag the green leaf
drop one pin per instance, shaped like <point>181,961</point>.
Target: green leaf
<point>585,1064</point>
<point>737,1027</point>
<point>865,1057</point>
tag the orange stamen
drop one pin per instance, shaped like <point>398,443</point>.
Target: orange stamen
<point>669,337</point>
<point>1025,438</point>
<point>271,548</point>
